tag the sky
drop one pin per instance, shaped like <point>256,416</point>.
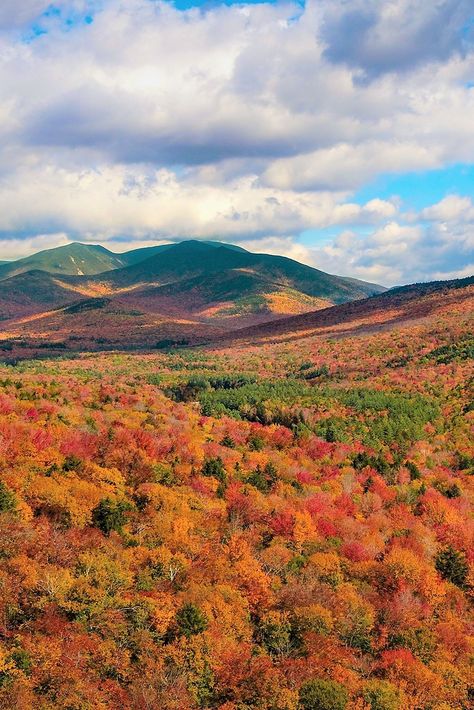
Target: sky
<point>337,132</point>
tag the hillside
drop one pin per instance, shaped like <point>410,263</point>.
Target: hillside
<point>33,292</point>
<point>192,259</point>
<point>223,284</point>
<point>396,306</point>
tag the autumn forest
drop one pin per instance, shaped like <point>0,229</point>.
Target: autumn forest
<point>278,523</point>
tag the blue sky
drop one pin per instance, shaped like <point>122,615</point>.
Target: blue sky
<point>420,189</point>
<point>336,133</point>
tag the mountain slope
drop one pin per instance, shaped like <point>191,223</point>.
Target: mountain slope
<point>405,303</point>
<point>71,259</point>
<point>33,292</point>
<point>134,256</point>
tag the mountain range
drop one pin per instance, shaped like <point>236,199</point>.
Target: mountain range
<point>206,283</point>
<point>86,297</point>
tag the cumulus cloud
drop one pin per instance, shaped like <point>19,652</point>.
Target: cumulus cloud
<point>347,166</point>
<point>452,208</point>
<point>245,123</point>
<point>397,253</point>
<point>101,203</point>
<point>146,83</point>
<point>396,35</point>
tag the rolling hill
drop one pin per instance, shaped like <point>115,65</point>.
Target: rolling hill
<point>33,292</point>
<point>226,285</point>
<point>194,259</point>
<point>226,307</point>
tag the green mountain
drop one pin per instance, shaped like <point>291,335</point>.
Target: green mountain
<point>135,256</point>
<point>78,259</point>
<point>71,259</point>
<point>209,264</point>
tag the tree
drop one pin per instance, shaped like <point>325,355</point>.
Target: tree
<point>381,695</point>
<point>322,694</point>
<point>452,565</point>
<point>228,442</point>
<point>191,620</point>
<point>7,499</point>
<point>263,479</point>
<point>214,468</point>
<point>110,515</point>
<point>275,632</point>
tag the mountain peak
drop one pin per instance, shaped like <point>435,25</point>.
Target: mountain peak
<point>191,244</point>
<point>73,259</point>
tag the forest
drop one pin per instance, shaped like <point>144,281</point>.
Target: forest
<point>275,526</point>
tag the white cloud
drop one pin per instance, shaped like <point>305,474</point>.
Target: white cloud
<point>399,253</point>
<point>452,208</point>
<point>101,203</point>
<point>21,247</point>
<point>348,166</point>
<point>237,122</point>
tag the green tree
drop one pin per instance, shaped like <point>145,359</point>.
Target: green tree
<point>191,620</point>
<point>228,442</point>
<point>110,515</point>
<point>452,565</point>
<point>381,695</point>
<point>214,468</point>
<point>263,479</point>
<point>7,499</point>
<point>322,694</point>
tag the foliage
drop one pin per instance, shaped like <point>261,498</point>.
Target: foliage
<point>191,620</point>
<point>7,499</point>
<point>207,528</point>
<point>109,515</point>
<point>381,695</point>
<point>323,695</point>
<point>463,349</point>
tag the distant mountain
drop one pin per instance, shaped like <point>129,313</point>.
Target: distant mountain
<point>134,256</point>
<point>78,259</point>
<point>71,259</point>
<point>426,287</point>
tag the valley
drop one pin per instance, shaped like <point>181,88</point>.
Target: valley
<point>278,512</point>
